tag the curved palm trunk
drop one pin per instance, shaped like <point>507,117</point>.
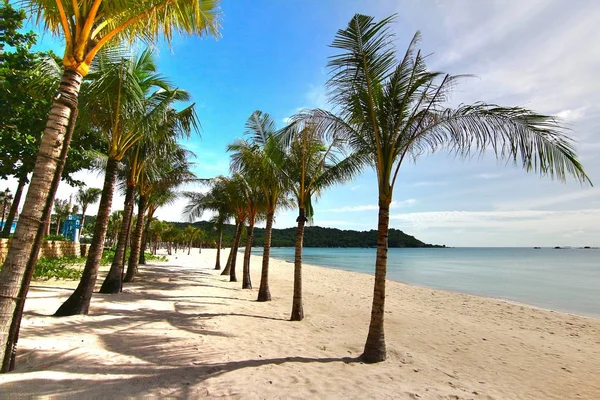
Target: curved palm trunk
<point>79,301</point>
<point>235,245</point>
<point>297,309</point>
<point>57,226</point>
<point>14,207</point>
<point>83,211</point>
<point>264,294</point>
<point>375,345</point>
<point>246,282</point>
<point>136,242</point>
<point>113,281</point>
<point>232,276</point>
<point>142,260</point>
<point>219,241</point>
<point>20,261</point>
<point>227,270</point>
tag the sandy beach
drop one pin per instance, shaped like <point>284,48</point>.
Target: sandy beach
<point>183,331</point>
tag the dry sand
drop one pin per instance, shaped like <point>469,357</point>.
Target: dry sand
<point>183,331</point>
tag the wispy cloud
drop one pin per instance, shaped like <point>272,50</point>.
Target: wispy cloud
<point>429,183</point>
<point>488,176</point>
<point>514,221</point>
<point>370,207</point>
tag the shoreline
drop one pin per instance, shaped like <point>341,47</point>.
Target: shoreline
<point>586,314</point>
<point>184,331</point>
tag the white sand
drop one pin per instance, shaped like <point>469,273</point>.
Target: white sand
<point>184,331</point>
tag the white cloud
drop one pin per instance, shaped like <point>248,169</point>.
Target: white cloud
<point>371,207</point>
<point>429,183</point>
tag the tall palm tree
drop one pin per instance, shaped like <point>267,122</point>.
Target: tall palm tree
<point>392,110</point>
<point>61,211</point>
<point>216,199</point>
<point>87,27</point>
<point>255,207</point>
<point>314,161</point>
<point>165,168</point>
<point>238,204</point>
<point>126,94</point>
<point>260,157</point>
<point>158,127</point>
<point>85,197</point>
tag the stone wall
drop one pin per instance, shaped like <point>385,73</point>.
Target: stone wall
<point>52,249</point>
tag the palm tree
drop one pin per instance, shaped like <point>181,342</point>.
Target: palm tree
<point>158,127</point>
<point>61,211</point>
<point>85,197</point>
<point>255,206</point>
<point>113,227</point>
<point>391,110</point>
<point>216,199</point>
<point>87,27</point>
<point>238,204</point>
<point>166,167</point>
<point>314,161</point>
<point>260,157</point>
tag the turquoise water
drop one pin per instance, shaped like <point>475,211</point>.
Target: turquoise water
<point>562,280</point>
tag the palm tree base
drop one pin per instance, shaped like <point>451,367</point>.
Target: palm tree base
<point>111,285</point>
<point>264,294</point>
<point>297,314</point>
<point>75,305</point>
<point>374,353</point>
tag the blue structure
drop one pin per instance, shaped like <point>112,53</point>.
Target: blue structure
<point>12,228</point>
<point>70,228</point>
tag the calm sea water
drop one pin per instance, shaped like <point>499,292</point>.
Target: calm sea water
<point>563,280</point>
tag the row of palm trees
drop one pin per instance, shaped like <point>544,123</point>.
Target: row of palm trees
<point>87,27</point>
<point>388,111</point>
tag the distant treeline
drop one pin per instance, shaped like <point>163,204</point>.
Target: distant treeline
<point>316,236</point>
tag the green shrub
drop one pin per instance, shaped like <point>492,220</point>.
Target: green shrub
<point>59,268</point>
<point>55,238</point>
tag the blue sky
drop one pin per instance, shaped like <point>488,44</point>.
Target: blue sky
<point>539,54</point>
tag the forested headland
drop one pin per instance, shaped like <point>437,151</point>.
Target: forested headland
<point>316,236</point>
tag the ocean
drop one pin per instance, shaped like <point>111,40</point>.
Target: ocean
<point>566,280</point>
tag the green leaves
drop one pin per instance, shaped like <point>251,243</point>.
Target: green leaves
<point>393,109</point>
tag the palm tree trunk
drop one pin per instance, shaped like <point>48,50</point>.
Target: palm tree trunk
<point>57,225</point>
<point>112,283</point>
<point>136,243</point>
<point>264,294</point>
<point>375,345</point>
<point>83,211</point>
<point>79,301</point>
<point>246,282</point>
<point>234,251</point>
<point>20,261</point>
<point>219,241</point>
<point>227,269</point>
<point>145,237</point>
<point>297,309</point>
<point>14,207</point>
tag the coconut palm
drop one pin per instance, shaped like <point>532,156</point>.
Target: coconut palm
<point>126,95</point>
<point>160,126</point>
<point>392,110</point>
<point>87,27</point>
<point>85,197</point>
<point>260,157</point>
<point>166,167</point>
<point>113,227</point>
<point>216,199</point>
<point>61,212</point>
<point>237,202</point>
<point>314,161</point>
<point>255,207</point>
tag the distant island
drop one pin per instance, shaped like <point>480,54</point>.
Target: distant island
<point>316,236</point>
